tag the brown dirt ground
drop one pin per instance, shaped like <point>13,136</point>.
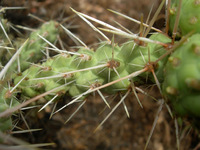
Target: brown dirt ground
<point>119,132</point>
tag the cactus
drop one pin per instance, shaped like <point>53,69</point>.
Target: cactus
<point>32,51</point>
<point>189,16</point>
<point>182,80</point>
<point>42,77</point>
<point>108,65</point>
<point>113,68</point>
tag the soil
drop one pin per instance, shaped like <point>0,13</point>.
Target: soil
<point>119,132</point>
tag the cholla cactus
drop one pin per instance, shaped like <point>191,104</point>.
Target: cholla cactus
<point>107,67</point>
<point>114,68</point>
<point>31,52</point>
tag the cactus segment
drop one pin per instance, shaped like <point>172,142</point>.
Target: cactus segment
<point>86,69</point>
<point>189,16</point>
<point>109,69</point>
<point>53,73</point>
<point>32,50</point>
<point>182,78</point>
<point>149,53</point>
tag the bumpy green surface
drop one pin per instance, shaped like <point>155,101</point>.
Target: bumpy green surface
<point>32,52</point>
<point>182,78</point>
<point>54,72</point>
<point>189,16</point>
<point>140,55</point>
<point>40,78</point>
